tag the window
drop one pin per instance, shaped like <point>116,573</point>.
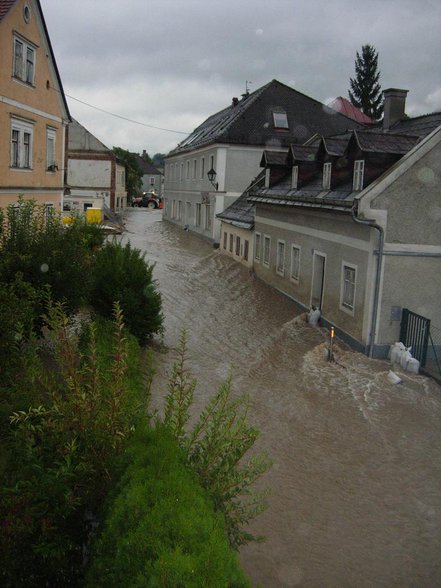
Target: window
<point>48,211</point>
<point>327,176</point>
<point>198,214</point>
<point>237,246</point>
<point>358,175</point>
<point>202,167</point>
<point>181,177</point>
<point>194,168</point>
<point>295,263</point>
<point>188,170</point>
<point>349,274</point>
<point>179,215</point>
<point>24,61</point>
<point>152,180</point>
<point>21,144</point>
<point>280,120</point>
<point>50,149</point>
<point>188,213</point>
<point>225,240</point>
<point>294,177</point>
<point>211,161</point>
<point>207,216</point>
<point>257,246</point>
<point>245,249</point>
<point>231,242</point>
<point>266,250</point>
<point>280,267</point>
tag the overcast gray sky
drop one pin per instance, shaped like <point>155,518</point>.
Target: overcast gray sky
<point>172,63</point>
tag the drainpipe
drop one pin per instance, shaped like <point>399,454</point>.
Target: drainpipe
<point>374,225</point>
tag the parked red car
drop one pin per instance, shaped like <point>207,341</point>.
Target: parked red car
<point>148,200</point>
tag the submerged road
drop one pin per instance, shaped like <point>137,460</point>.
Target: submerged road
<point>356,483</point>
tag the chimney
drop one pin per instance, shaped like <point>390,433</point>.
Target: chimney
<point>235,102</point>
<point>394,107</point>
<point>144,153</point>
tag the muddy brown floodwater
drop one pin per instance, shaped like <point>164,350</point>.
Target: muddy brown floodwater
<point>356,482</point>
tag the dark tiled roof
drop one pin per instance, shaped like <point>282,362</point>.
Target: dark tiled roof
<point>250,122</point>
<point>304,152</point>
<point>336,145</point>
<point>273,158</point>
<point>5,5</point>
<point>241,212</point>
<point>384,142</point>
<point>419,126</point>
<point>147,167</point>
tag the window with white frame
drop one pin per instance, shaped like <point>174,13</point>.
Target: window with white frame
<point>202,167</point>
<point>24,60</point>
<point>327,168</point>
<point>280,267</point>
<point>198,214</point>
<point>51,135</point>
<point>181,177</point>
<point>348,280</point>
<point>280,120</point>
<point>188,170</point>
<point>231,242</point>
<point>358,175</point>
<point>188,218</point>
<point>152,180</point>
<point>194,168</point>
<point>266,250</point>
<point>179,213</point>
<point>176,171</point>
<point>21,144</point>
<point>257,246</point>
<point>295,263</point>
<point>294,177</point>
<point>225,239</point>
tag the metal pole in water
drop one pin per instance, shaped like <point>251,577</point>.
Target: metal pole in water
<point>331,352</point>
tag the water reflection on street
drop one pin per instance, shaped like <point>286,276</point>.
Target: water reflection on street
<point>356,482</point>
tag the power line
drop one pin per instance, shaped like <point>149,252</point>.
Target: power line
<point>136,122</point>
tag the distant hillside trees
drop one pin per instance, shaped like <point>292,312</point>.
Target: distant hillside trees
<point>133,171</point>
<point>365,92</point>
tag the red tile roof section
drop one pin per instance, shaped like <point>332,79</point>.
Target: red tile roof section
<point>5,5</point>
<point>345,107</point>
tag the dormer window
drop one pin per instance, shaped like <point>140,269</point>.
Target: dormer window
<point>358,175</point>
<point>294,177</point>
<point>24,61</point>
<point>280,120</point>
<point>327,167</point>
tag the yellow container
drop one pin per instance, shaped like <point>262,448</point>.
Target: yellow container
<point>94,215</point>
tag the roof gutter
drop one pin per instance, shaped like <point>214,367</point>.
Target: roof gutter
<point>374,318</point>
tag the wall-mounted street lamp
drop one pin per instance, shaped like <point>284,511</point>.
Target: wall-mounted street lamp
<point>212,176</point>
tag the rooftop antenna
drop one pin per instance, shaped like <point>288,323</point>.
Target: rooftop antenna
<point>247,90</point>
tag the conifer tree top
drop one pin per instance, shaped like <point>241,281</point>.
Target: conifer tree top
<point>365,92</point>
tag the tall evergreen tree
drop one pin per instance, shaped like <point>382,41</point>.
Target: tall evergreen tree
<point>365,92</point>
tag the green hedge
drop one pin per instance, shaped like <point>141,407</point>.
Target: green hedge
<point>161,528</point>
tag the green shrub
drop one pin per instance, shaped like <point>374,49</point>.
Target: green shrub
<point>161,528</point>
<point>34,242</point>
<point>63,448</point>
<point>122,274</point>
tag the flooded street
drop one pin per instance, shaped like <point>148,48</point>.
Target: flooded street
<point>356,479</point>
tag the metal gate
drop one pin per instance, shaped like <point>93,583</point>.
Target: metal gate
<point>415,330</point>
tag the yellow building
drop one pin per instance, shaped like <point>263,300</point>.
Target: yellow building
<point>33,109</point>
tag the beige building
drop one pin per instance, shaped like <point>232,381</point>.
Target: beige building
<point>33,110</point>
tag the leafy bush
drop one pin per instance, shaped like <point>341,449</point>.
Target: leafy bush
<point>122,274</point>
<point>34,242</point>
<point>216,448</point>
<point>62,451</point>
<point>161,528</point>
